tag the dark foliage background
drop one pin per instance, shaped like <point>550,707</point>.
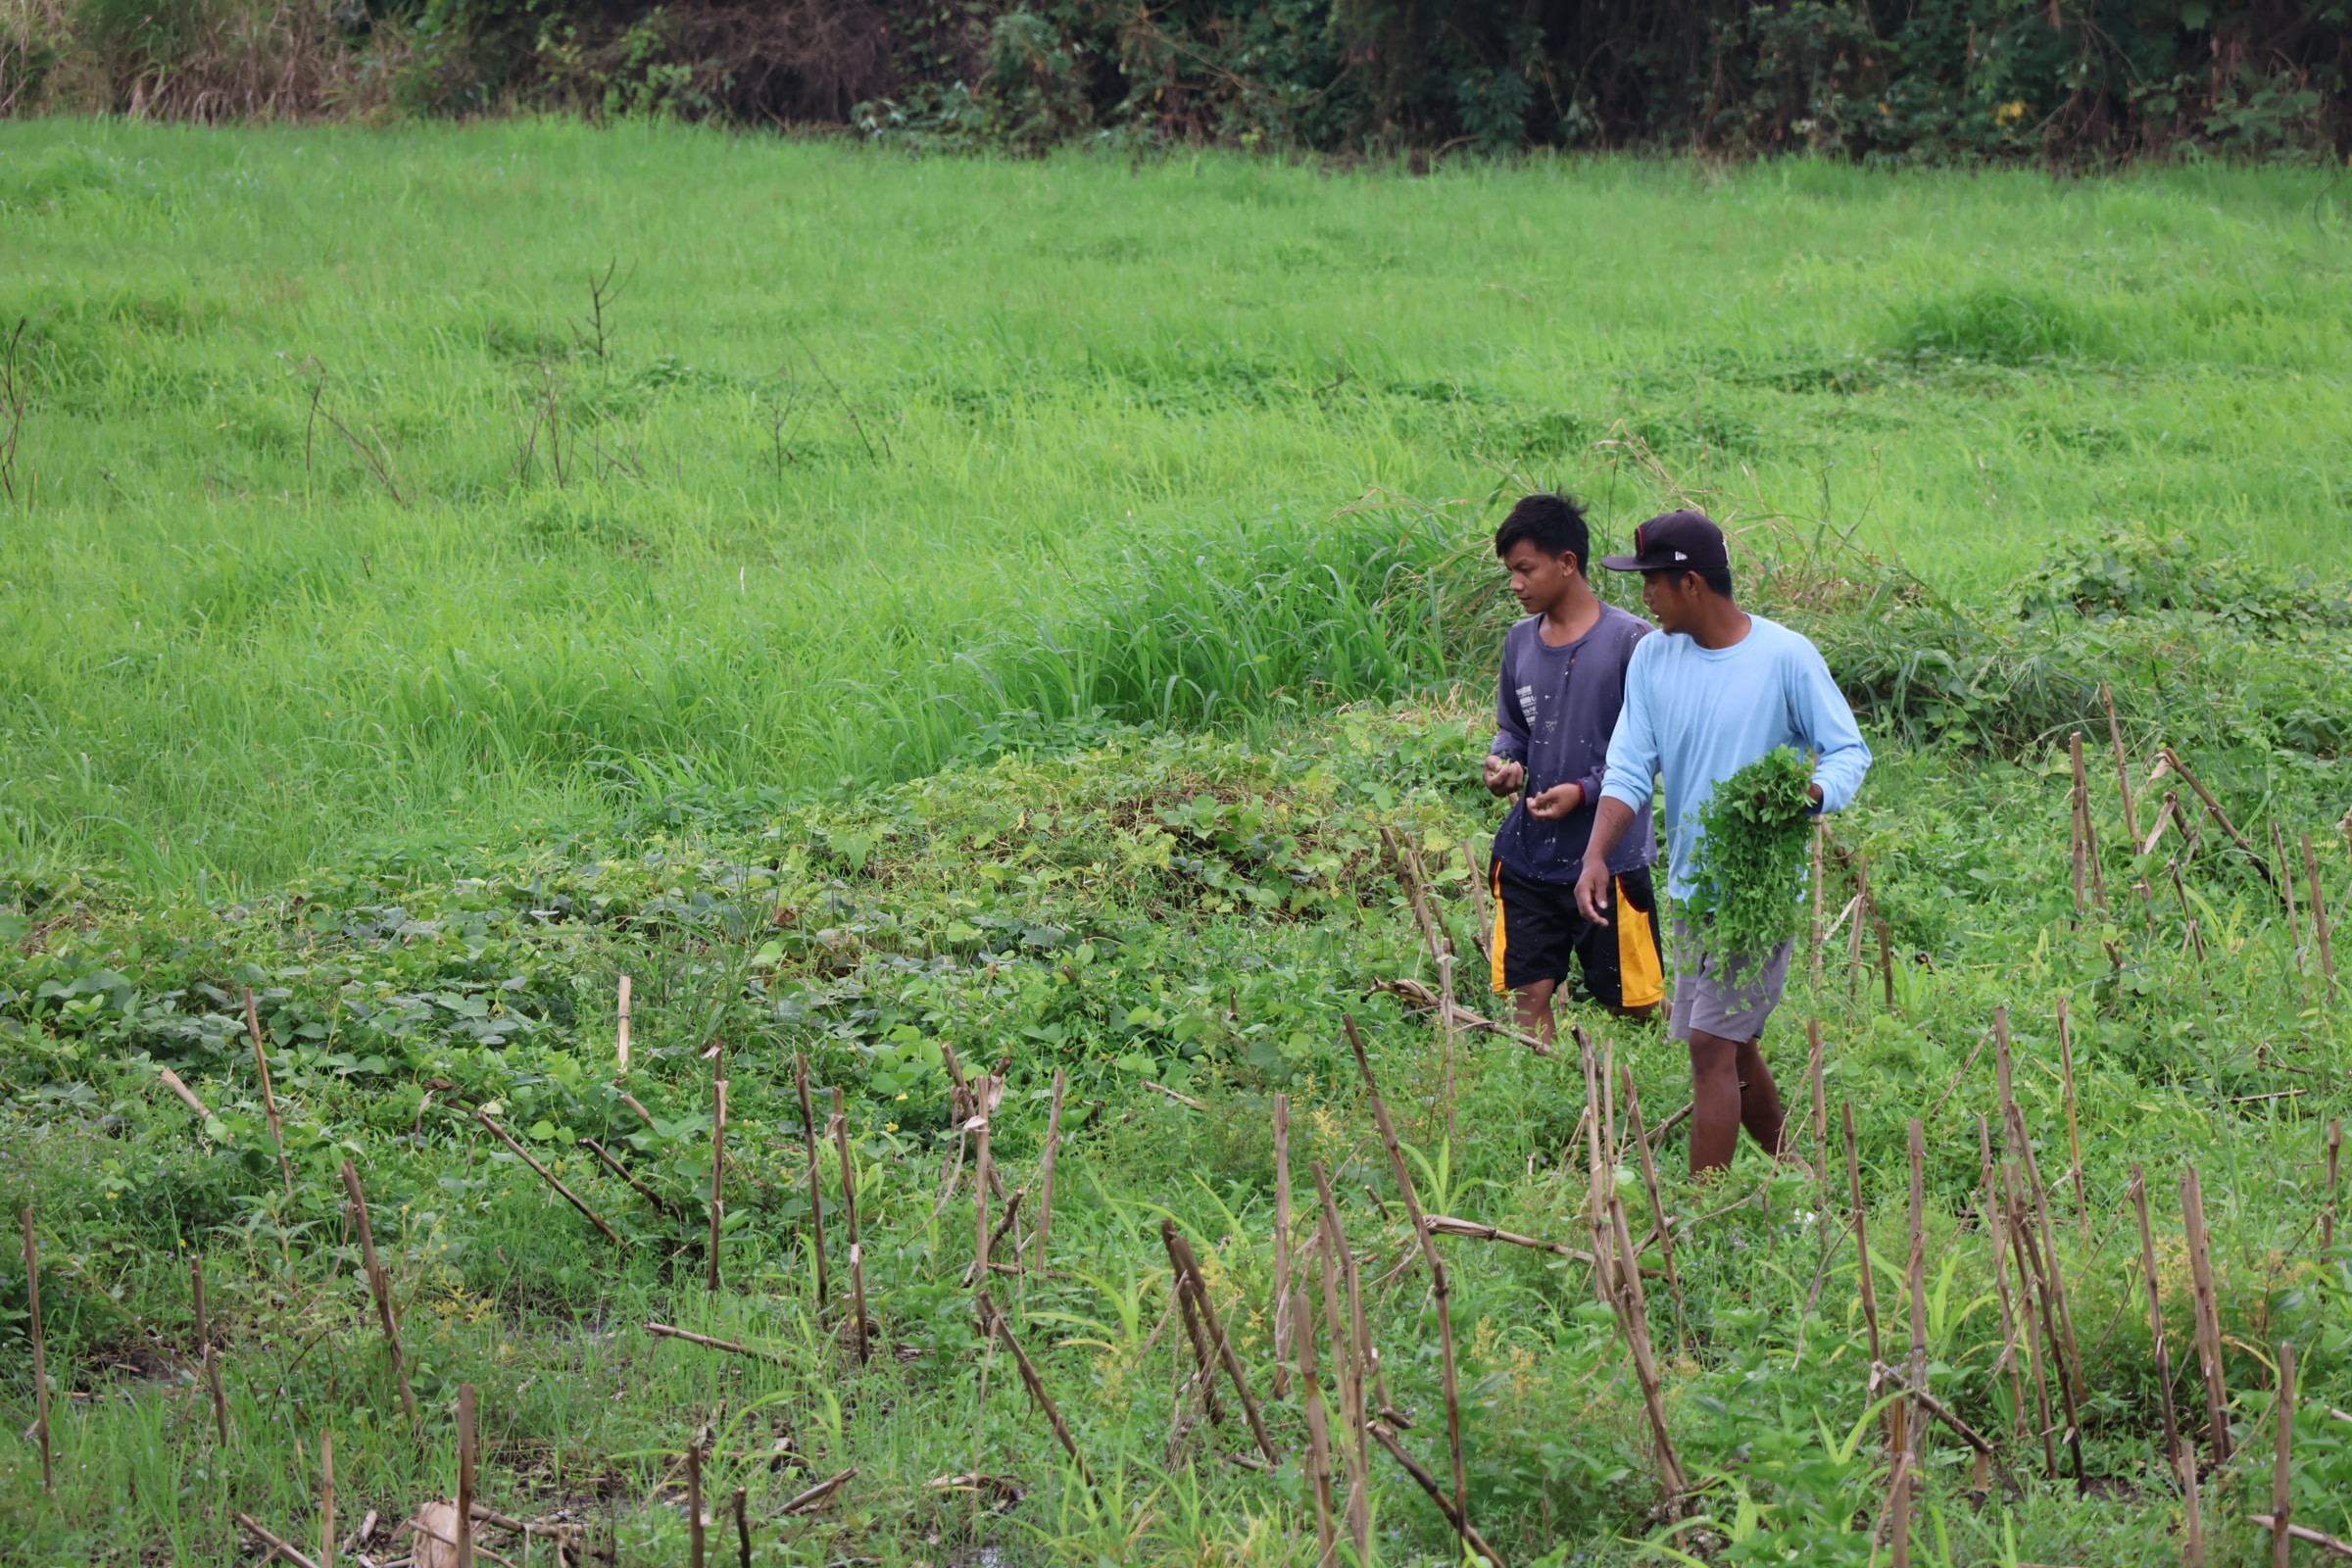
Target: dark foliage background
<point>1943,81</point>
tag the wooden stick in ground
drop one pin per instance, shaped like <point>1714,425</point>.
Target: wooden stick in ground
<point>1992,1213</point>
<point>2122,767</point>
<point>1960,1429</point>
<point>816,1191</point>
<point>1862,908</point>
<point>260,1058</point>
<point>983,1168</point>
<point>276,1543</point>
<point>2164,1359</point>
<point>2282,1461</point>
<point>465,1460</point>
<point>2076,854</point>
<point>2090,831</point>
<point>993,1321</point>
<point>1205,1366</point>
<point>1917,1277</point>
<point>819,1492</point>
<point>1632,1318</point>
<point>1862,1279</point>
<point>2208,1318</point>
<point>694,1505</point>
<point>549,1177</point>
<point>849,1204</point>
<point>620,1033</point>
<point>719,1162</point>
<point>1428,1483</point>
<point>40,1353</point>
<point>1180,1253</point>
<point>2318,915</point>
<point>326,1499</point>
<point>1439,1283</point>
<point>2035,1241</point>
<point>1898,1487</point>
<point>1821,1108</point>
<point>1820,828</point>
<point>1474,1230</point>
<point>665,1332</point>
<point>380,1287</point>
<point>2294,924</point>
<point>1657,1203</point>
<point>743,1527</point>
<point>1045,1168</point>
<point>187,1095</point>
<point>1338,1260</point>
<point>2222,816</point>
<point>2077,1390</point>
<point>1282,1246</point>
<point>1318,1424</point>
<point>2336,1151</point>
<point>2028,1285</point>
<point>605,1157</point>
<point>204,1350</point>
<point>2317,1537</point>
<point>2073,1131</point>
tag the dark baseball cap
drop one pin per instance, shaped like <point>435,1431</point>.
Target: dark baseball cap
<point>1676,541</point>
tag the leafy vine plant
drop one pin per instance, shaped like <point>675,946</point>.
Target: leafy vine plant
<point>1750,867</point>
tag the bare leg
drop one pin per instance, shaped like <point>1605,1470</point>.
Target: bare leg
<point>1531,1005</point>
<point>1759,1097</point>
<point>1714,1101</point>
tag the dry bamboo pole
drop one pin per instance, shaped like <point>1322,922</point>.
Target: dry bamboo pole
<point>1338,1261</point>
<point>204,1350</point>
<point>2090,832</point>
<point>1916,1277</point>
<point>993,1321</point>
<point>2209,1325</point>
<point>2223,817</point>
<point>1045,1168</point>
<point>465,1460</point>
<point>2318,915</point>
<point>1820,828</point>
<point>1862,909</point>
<point>2294,924</point>
<point>1318,1426</point>
<point>2075,856</point>
<point>816,1191</point>
<point>2197,936</point>
<point>2034,1239</point>
<point>1187,1268</point>
<point>2174,1449</point>
<point>1853,1185</point>
<point>1281,1245</point>
<point>2027,1286</point>
<point>380,1287</point>
<point>2282,1461</point>
<point>1597,1184</point>
<point>2122,768</point>
<point>40,1353</point>
<point>2317,1537</point>
<point>278,1545</point>
<point>620,1033</point>
<point>187,1095</point>
<point>849,1204</point>
<point>2335,1150</point>
<point>983,1170</point>
<point>1821,1109</point>
<point>1632,1319</point>
<point>549,1177</point>
<point>605,1158</point>
<point>2000,1279</point>
<point>1473,1230</point>
<point>1437,1493</point>
<point>1898,1487</point>
<point>1438,1278</point>
<point>261,1059</point>
<point>663,1331</point>
<point>805,1501</point>
<point>2074,1133</point>
<point>2070,1379</point>
<point>719,1162</point>
<point>1657,1203</point>
<point>1205,1366</point>
<point>695,1544</point>
<point>326,1500</point>
<point>743,1527</point>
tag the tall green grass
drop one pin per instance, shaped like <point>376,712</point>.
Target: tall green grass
<point>879,458</point>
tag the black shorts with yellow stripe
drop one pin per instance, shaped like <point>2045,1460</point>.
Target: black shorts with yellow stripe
<point>1538,929</point>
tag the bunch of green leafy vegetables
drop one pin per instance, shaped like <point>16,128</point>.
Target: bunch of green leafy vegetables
<point>1751,859</point>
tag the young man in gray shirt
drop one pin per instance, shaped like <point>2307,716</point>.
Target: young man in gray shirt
<point>1564,682</point>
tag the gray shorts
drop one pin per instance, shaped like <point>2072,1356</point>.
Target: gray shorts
<point>1703,1002</point>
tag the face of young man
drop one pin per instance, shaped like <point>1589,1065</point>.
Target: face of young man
<point>1539,581</point>
<point>1672,598</point>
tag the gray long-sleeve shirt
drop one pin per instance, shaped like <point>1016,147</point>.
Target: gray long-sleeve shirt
<point>1554,711</point>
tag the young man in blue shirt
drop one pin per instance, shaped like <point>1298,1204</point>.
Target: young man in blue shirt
<point>1715,691</point>
<point>1563,681</point>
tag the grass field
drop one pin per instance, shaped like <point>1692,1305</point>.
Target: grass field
<point>338,516</point>
<point>999,610</point>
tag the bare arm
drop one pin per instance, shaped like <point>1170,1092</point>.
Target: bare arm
<point>1609,823</point>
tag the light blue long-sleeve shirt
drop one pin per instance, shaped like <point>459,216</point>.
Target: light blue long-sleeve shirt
<point>1696,716</point>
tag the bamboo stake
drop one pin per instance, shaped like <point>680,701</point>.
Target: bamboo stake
<point>2164,1357</point>
<point>2090,832</point>
<point>2122,770</point>
<point>261,1058</point>
<point>993,1321</point>
<point>1633,1320</point>
<point>819,1492</point>
<point>380,1287</point>
<point>1942,1412</point>
<point>326,1499</point>
<point>983,1169</point>
<point>694,1505</point>
<point>2209,1325</point>
<point>1898,1487</point>
<point>1862,908</point>
<point>2222,816</point>
<point>1437,1494</point>
<point>2074,1134</point>
<point>1205,1366</point>
<point>278,1544</point>
<point>849,1203</point>
<point>2036,1316</point>
<point>718,1162</point>
<point>2283,1465</point>
<point>2040,1257</point>
<point>1283,1326</point>
<point>2000,1280</point>
<point>204,1350</point>
<point>1657,1205</point>
<point>2318,915</point>
<point>40,1353</point>
<point>1821,1109</point>
<point>1820,828</point>
<point>665,1332</point>
<point>2335,1150</point>
<point>1853,1184</point>
<point>743,1527</point>
<point>2054,1275</point>
<point>465,1460</point>
<point>1430,1255</point>
<point>605,1157</point>
<point>2076,854</point>
<point>549,1177</point>
<point>1180,1253</point>
<point>1045,1169</point>
<point>1318,1424</point>
<point>620,1034</point>
<point>1337,1258</point>
<point>1917,1276</point>
<point>187,1095</point>
<point>816,1191</point>
<point>2294,924</point>
<point>2317,1537</point>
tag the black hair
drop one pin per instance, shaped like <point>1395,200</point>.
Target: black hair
<point>1552,523</point>
<point>1718,579</point>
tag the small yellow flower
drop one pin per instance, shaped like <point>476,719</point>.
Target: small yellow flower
<point>2009,114</point>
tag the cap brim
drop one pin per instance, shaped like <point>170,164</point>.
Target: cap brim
<point>1630,564</point>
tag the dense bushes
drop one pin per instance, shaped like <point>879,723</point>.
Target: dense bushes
<point>1935,79</point>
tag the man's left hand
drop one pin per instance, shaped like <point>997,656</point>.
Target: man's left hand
<point>1556,802</point>
<point>1814,789</point>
